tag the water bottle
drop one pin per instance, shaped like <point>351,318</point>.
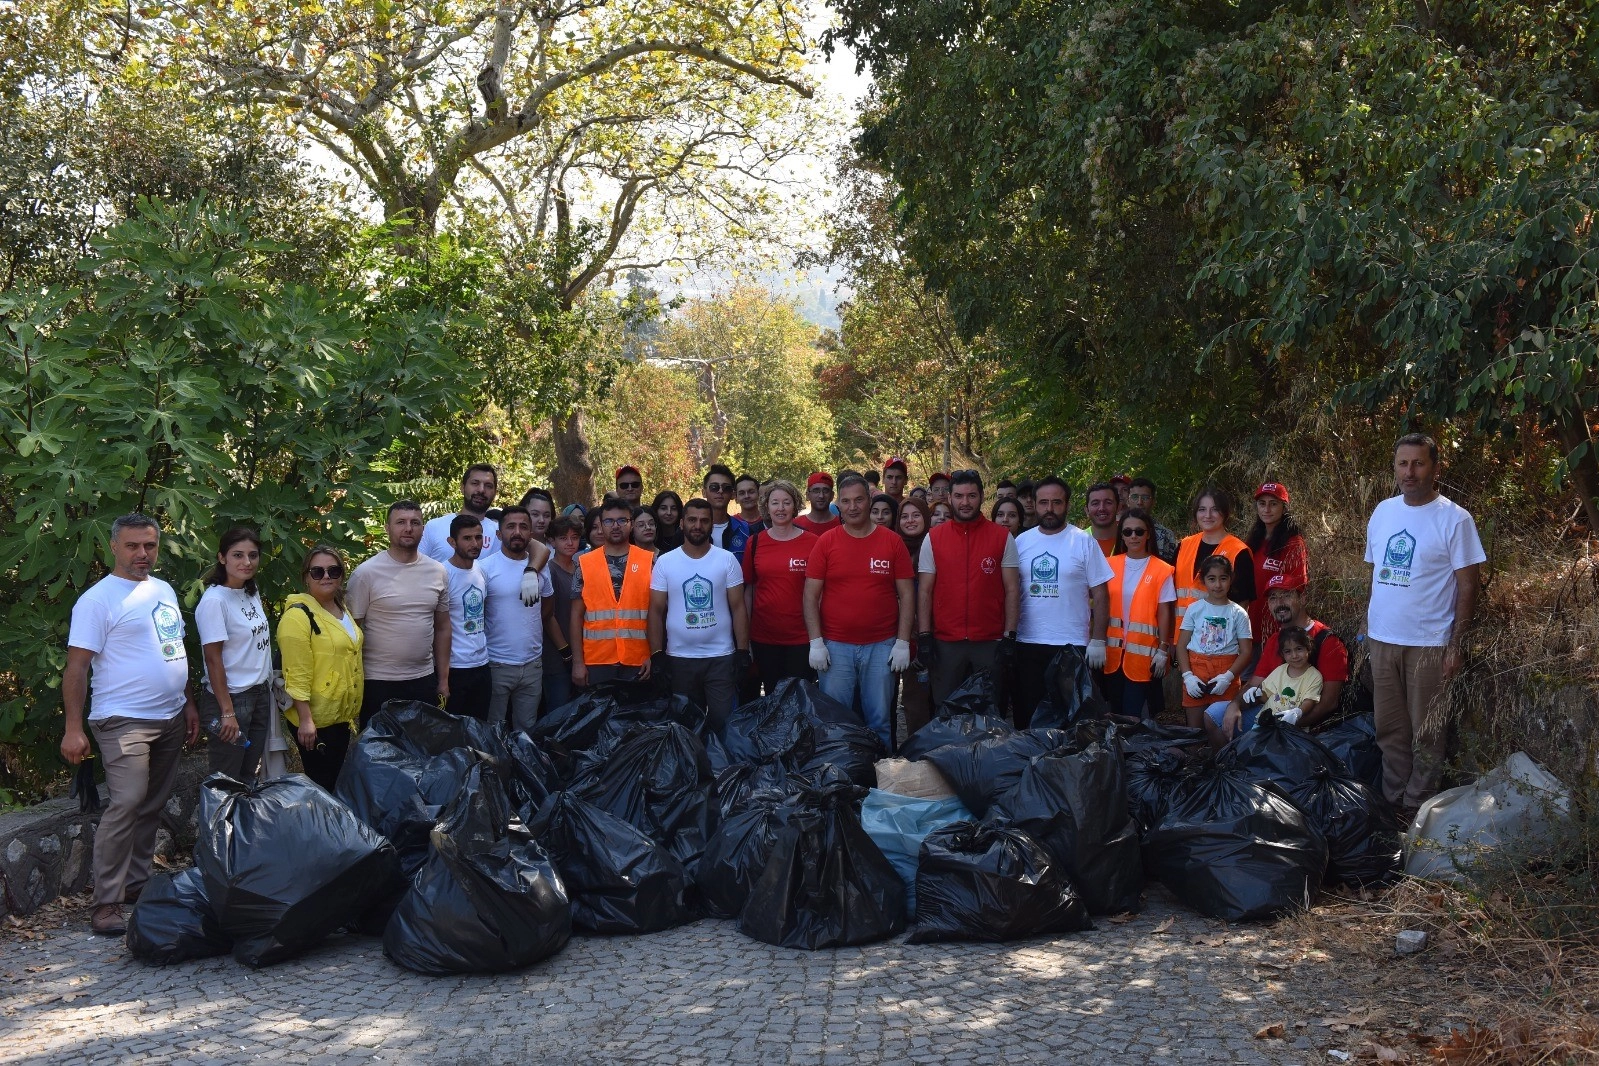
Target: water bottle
<point>214,728</point>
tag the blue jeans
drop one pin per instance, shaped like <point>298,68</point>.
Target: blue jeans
<point>863,669</point>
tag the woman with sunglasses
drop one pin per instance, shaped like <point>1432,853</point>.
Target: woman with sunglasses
<point>1143,613</point>
<point>321,647</point>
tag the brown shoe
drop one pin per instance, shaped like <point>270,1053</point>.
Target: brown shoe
<point>107,920</point>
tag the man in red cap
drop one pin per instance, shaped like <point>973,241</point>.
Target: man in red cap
<point>1285,597</point>
<point>938,488</point>
<point>629,485</point>
<point>819,492</point>
<point>895,476</point>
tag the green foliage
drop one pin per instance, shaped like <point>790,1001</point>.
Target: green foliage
<point>187,380</point>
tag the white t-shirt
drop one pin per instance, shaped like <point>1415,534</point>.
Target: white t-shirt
<point>135,630</point>
<point>469,639</point>
<point>1216,628</point>
<point>1057,572</point>
<point>1414,553</point>
<point>516,631</point>
<point>235,619</point>
<point>699,624</point>
<point>1132,574</point>
<point>436,539</point>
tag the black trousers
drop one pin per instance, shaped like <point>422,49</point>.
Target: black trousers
<point>774,662</point>
<point>470,688</point>
<point>374,694</point>
<point>1032,660</point>
<point>323,762</point>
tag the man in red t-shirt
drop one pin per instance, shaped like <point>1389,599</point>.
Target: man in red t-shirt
<point>1285,596</point>
<point>819,493</point>
<point>860,601</point>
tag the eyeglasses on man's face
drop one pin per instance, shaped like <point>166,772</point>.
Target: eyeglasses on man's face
<point>630,484</point>
<point>719,486</point>
<point>613,521</point>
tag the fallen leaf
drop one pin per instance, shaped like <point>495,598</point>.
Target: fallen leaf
<point>1170,921</point>
<point>1274,1031</point>
<point>1122,918</point>
<point>1388,1054</point>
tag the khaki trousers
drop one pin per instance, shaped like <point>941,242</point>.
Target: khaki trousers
<point>141,766</point>
<point>1405,683</point>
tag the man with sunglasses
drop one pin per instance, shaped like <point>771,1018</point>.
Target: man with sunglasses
<point>1063,595</point>
<point>630,485</point>
<point>727,531</point>
<point>611,603</point>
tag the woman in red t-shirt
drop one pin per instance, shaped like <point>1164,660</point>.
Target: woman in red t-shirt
<point>1278,548</point>
<point>774,588</point>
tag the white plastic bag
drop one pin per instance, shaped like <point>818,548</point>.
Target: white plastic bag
<point>1453,829</point>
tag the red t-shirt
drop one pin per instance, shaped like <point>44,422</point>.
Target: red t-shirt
<point>1289,559</point>
<point>1332,660</point>
<point>810,525</point>
<point>859,602</point>
<point>775,570</point>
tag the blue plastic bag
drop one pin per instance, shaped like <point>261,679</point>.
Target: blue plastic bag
<point>899,824</point>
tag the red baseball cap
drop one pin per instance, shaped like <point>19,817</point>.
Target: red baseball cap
<point>1271,488</point>
<point>937,475</point>
<point>896,461</point>
<point>1290,581</point>
<point>627,469</point>
<point>1122,479</point>
<point>821,477</point>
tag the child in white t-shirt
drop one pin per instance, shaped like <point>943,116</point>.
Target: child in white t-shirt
<point>1294,688</point>
<point>1215,650</point>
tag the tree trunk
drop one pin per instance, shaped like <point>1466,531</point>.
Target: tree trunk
<point>1573,430</point>
<point>574,465</point>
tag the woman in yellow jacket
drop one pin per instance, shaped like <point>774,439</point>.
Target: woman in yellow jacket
<point>321,647</point>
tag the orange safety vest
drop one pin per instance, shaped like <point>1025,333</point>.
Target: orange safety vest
<point>1189,587</point>
<point>615,630</point>
<point>1130,644</point>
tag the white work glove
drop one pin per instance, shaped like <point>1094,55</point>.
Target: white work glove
<point>1096,654</point>
<point>899,660</point>
<point>819,658</point>
<point>1219,683</point>
<point>1290,716</point>
<point>1251,695</point>
<point>1159,663</point>
<point>530,587</point>
<point>1192,685</point>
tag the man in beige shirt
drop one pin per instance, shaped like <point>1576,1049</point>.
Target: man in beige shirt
<point>401,600</point>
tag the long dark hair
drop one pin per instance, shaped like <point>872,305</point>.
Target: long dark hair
<point>655,508</point>
<point>893,506</point>
<point>1286,530</point>
<point>1149,536</point>
<point>914,544</point>
<point>218,574</point>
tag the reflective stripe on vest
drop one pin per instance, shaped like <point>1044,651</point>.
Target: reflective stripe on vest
<point>1130,644</point>
<point>1189,587</point>
<point>612,634</point>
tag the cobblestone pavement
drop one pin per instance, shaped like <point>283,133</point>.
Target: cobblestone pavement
<point>1166,986</point>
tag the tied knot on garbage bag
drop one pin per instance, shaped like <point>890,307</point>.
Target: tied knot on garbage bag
<point>584,731</point>
<point>979,881</point>
<point>798,728</point>
<point>1070,694</point>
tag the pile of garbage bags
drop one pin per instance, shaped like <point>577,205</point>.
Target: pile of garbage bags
<point>468,849</point>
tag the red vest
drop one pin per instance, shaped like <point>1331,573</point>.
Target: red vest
<point>969,591</point>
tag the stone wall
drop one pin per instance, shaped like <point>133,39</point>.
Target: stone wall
<point>46,851</point>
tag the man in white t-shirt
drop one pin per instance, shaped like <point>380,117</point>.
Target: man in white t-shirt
<point>698,629</point>
<point>479,485</point>
<point>1064,601</point>
<point>1425,556</point>
<point>515,628</point>
<point>127,637</point>
<point>470,679</point>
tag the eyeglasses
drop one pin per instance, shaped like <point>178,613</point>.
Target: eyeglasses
<point>723,486</point>
<point>630,484</point>
<point>1135,533</point>
<point>614,521</point>
<point>321,573</point>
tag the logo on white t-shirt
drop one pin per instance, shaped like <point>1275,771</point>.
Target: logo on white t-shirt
<point>168,630</point>
<point>1043,577</point>
<point>698,603</point>
<point>1397,558</point>
<point>880,566</point>
<point>472,611</point>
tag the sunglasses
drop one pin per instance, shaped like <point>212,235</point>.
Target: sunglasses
<point>718,487</point>
<point>1135,532</point>
<point>630,484</point>
<point>320,573</point>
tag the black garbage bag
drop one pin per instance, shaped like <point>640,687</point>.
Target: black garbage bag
<point>286,865</point>
<point>984,769</point>
<point>657,779</point>
<point>742,785</point>
<point>488,899</point>
<point>532,778</point>
<point>737,853</point>
<point>84,789</point>
<point>1235,850</point>
<point>1070,694</point>
<point>1364,845</point>
<point>991,882</point>
<point>1354,741</point>
<point>618,879</point>
<point>826,883</point>
<point>781,723</point>
<point>953,729</point>
<point>1153,774</point>
<point>852,748</point>
<point>1280,754</point>
<point>172,922</point>
<point>407,765</point>
<point>976,695</point>
<point>1074,803</point>
<point>587,728</point>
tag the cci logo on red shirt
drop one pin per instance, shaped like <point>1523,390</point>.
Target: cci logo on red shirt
<point>879,566</point>
<point>796,565</point>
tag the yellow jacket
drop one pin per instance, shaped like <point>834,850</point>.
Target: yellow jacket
<point>321,667</point>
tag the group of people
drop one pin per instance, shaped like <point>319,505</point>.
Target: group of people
<point>888,596</point>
